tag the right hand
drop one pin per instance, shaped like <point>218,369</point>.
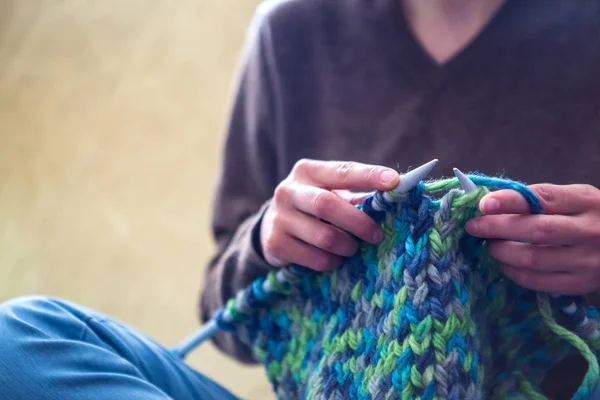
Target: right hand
<point>293,228</point>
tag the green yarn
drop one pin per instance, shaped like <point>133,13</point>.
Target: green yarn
<point>425,314</point>
<point>592,376</point>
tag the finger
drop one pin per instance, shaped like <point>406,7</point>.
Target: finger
<point>537,229</point>
<point>556,283</point>
<point>555,199</point>
<point>330,207</point>
<point>539,258</point>
<point>352,197</point>
<point>320,235</point>
<point>308,256</point>
<point>348,175</point>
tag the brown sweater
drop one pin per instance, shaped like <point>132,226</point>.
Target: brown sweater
<point>346,80</point>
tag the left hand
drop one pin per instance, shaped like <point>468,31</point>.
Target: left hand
<point>562,250</point>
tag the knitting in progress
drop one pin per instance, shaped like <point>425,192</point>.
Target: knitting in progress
<point>425,314</point>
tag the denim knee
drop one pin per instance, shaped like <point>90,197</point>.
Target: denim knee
<point>27,317</point>
<point>22,308</point>
<point>17,305</point>
<point>23,330</point>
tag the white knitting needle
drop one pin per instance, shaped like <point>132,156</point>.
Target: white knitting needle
<point>210,328</point>
<point>469,187</point>
<point>467,184</point>
<point>412,178</point>
<point>407,182</point>
<point>203,333</point>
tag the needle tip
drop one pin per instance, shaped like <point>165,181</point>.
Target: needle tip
<point>467,184</point>
<point>412,178</point>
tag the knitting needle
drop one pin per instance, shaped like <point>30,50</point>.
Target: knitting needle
<point>209,329</point>
<point>469,187</point>
<point>407,182</point>
<point>467,184</point>
<point>412,178</point>
<point>205,332</point>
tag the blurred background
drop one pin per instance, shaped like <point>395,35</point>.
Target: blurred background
<point>111,120</point>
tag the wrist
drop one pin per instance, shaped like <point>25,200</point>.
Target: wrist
<point>256,233</point>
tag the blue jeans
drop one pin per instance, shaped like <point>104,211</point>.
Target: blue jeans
<point>53,349</point>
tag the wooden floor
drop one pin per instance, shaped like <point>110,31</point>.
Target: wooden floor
<point>110,120</point>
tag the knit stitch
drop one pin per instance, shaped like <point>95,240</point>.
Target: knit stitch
<point>425,314</point>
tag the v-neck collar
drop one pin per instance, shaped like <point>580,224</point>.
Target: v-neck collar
<point>426,60</point>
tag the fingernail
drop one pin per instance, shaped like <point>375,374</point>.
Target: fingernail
<point>490,204</point>
<point>388,176</point>
<point>378,235</point>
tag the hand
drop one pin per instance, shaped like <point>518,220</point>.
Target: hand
<point>312,208</point>
<point>562,250</point>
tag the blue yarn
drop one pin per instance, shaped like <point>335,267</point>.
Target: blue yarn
<point>417,268</point>
<point>533,201</point>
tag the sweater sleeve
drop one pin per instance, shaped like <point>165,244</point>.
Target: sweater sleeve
<point>246,182</point>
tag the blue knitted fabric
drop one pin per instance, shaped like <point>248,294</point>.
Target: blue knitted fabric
<point>426,314</point>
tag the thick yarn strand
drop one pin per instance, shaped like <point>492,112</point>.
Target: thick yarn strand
<point>426,314</point>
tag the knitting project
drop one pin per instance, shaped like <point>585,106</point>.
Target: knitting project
<point>425,314</point>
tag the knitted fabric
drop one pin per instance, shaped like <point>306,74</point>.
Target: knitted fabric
<point>425,314</point>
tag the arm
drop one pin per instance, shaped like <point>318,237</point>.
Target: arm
<point>246,182</point>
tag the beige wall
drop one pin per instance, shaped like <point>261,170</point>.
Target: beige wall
<point>110,120</point>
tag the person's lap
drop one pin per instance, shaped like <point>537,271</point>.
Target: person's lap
<point>53,349</point>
